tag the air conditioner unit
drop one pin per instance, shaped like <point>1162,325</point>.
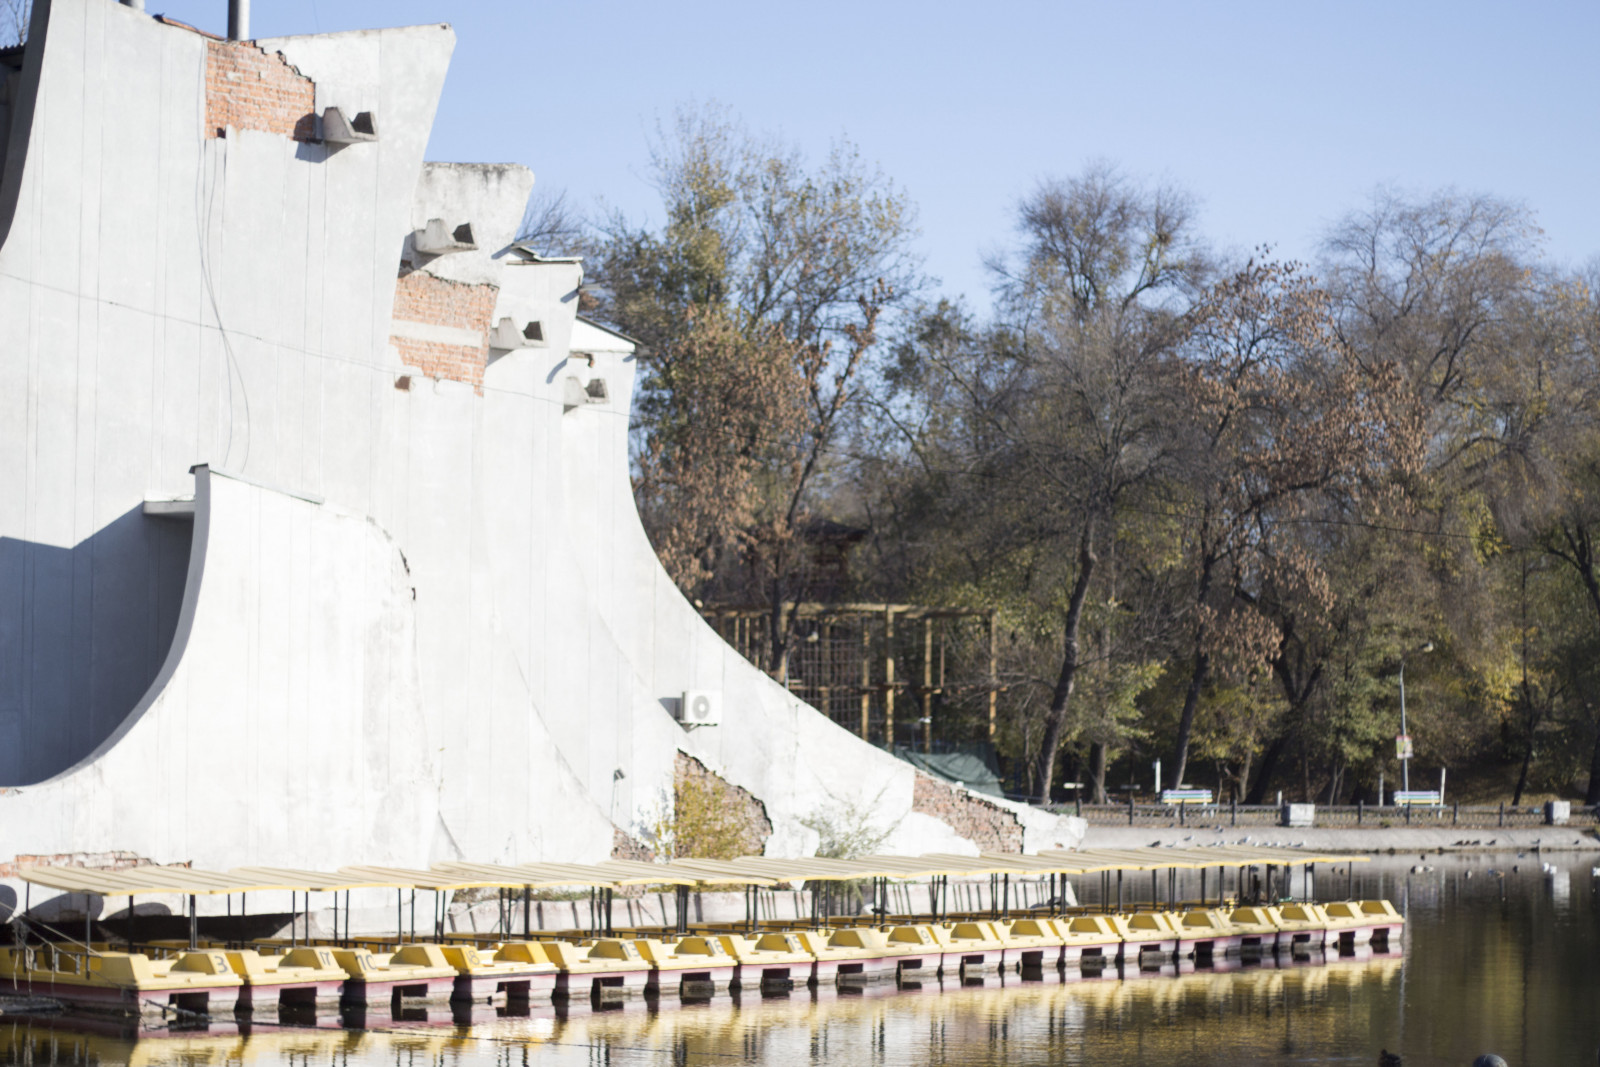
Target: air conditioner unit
<point>700,707</point>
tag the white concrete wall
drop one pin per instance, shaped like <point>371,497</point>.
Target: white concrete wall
<point>429,624</point>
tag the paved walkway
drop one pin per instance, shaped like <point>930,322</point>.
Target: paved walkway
<point>1341,839</point>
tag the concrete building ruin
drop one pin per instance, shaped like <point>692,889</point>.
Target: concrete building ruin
<point>317,545</point>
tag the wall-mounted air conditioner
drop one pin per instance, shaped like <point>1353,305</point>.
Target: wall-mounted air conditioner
<point>700,707</point>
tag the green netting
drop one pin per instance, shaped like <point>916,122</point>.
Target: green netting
<point>970,765</point>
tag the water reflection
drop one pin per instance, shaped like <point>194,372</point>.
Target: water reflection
<point>1490,963</point>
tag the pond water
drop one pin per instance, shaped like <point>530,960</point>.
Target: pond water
<point>1494,960</point>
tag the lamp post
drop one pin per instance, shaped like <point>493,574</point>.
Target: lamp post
<point>1405,757</point>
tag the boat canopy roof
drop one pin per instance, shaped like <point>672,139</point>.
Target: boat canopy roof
<point>610,874</point>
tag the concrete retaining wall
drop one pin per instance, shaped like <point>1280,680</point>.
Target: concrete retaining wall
<point>428,624</point>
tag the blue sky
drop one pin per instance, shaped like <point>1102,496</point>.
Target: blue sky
<point>1278,117</point>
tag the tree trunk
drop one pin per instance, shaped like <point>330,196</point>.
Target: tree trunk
<point>1522,777</point>
<point>1592,795</point>
<point>1056,717</point>
<point>1191,701</point>
<point>1097,768</point>
<point>1269,763</point>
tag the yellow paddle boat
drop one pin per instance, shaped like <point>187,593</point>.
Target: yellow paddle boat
<point>121,982</point>
<point>1362,922</point>
<point>531,976</point>
<point>301,977</point>
<point>1031,943</point>
<point>690,965</point>
<point>607,967</point>
<point>1204,933</point>
<point>483,977</point>
<point>1258,929</point>
<point>921,955</point>
<point>411,972</point>
<point>1145,932</point>
<point>970,948</point>
<point>848,955</point>
<point>768,961</point>
<point>1088,937</point>
<point>1303,924</point>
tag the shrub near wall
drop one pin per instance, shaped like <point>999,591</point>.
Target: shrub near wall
<point>713,818</point>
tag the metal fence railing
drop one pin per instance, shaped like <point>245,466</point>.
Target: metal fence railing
<point>1344,815</point>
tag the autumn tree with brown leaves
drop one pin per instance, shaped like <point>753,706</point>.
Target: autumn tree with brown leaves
<point>756,304</point>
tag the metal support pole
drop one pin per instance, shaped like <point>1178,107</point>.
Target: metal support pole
<point>994,672</point>
<point>888,680</point>
<point>527,911</point>
<point>1119,892</point>
<point>238,20</point>
<point>866,681</point>
<point>130,924</point>
<point>194,924</point>
<point>399,915</point>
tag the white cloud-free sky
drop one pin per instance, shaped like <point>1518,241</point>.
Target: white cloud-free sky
<point>1278,117</point>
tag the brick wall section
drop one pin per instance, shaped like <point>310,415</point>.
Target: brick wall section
<point>421,297</point>
<point>250,89</point>
<point>989,826</point>
<point>99,861</point>
<point>627,847</point>
<point>743,809</point>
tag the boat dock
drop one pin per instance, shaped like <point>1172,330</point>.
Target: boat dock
<point>1243,910</point>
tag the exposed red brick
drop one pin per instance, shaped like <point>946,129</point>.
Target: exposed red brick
<point>627,847</point>
<point>99,861</point>
<point>249,89</point>
<point>989,826</point>
<point>421,297</point>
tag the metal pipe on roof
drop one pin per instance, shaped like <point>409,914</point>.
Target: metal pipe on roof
<point>238,20</point>
<point>137,5</point>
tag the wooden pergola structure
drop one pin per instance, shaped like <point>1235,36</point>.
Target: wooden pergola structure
<point>843,684</point>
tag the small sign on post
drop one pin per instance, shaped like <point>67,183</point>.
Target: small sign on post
<point>1402,746</point>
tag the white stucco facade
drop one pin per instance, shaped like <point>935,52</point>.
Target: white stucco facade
<point>414,616</point>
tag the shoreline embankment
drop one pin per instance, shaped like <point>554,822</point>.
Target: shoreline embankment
<point>1374,840</point>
